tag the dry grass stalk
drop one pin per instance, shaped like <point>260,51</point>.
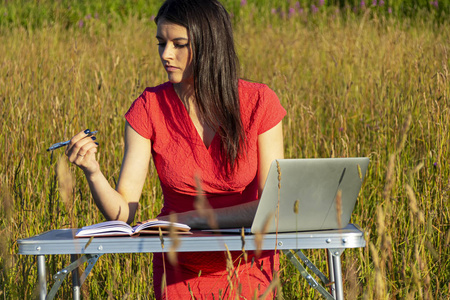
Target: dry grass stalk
<point>339,208</point>
<point>413,204</point>
<point>434,254</point>
<point>5,257</point>
<point>172,255</point>
<point>277,214</point>
<point>161,237</point>
<point>66,184</point>
<point>352,280</point>
<point>6,202</point>
<point>163,280</point>
<point>386,251</point>
<point>391,164</point>
<point>417,271</point>
<point>244,253</point>
<point>380,221</point>
<point>163,283</point>
<point>359,172</point>
<point>428,292</point>
<point>230,269</point>
<point>447,240</point>
<point>418,167</point>
<point>6,205</point>
<point>259,236</point>
<point>110,294</point>
<point>203,207</point>
<point>88,242</point>
<point>389,178</point>
<point>375,257</point>
<point>379,287</point>
<point>296,206</point>
<point>404,134</point>
<point>190,292</point>
<point>274,287</point>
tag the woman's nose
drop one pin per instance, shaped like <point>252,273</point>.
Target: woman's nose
<point>167,53</point>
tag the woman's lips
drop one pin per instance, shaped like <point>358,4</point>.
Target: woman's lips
<point>170,68</point>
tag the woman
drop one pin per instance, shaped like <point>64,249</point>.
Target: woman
<point>204,126</point>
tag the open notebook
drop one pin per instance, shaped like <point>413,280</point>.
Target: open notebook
<point>308,194</point>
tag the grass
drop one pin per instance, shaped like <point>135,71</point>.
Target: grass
<point>365,85</point>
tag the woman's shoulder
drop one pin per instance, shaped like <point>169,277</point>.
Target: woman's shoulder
<point>155,90</point>
<point>153,97</point>
<point>261,108</point>
<point>255,92</point>
<point>251,87</point>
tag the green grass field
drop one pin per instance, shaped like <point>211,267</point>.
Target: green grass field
<point>369,83</point>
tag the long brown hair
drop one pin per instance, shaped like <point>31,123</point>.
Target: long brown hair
<point>215,69</point>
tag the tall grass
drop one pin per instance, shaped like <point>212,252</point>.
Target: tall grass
<point>38,14</point>
<point>367,85</point>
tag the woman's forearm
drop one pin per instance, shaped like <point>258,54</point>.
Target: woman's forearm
<point>110,202</point>
<point>228,217</point>
<point>120,203</point>
<point>237,216</point>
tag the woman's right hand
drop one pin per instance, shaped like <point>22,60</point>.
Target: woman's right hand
<point>81,152</point>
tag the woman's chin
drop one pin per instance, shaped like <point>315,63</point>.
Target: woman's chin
<point>180,82</point>
<point>172,80</point>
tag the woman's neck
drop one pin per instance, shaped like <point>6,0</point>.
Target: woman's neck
<point>186,94</point>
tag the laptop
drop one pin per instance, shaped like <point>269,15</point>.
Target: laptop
<point>308,194</point>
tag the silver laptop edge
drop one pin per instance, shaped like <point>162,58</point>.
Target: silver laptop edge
<point>309,194</point>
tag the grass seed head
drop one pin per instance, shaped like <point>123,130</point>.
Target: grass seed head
<point>339,208</point>
<point>174,237</point>
<point>203,207</point>
<point>413,204</point>
<point>296,205</point>
<point>380,220</point>
<point>259,236</point>
<point>66,185</point>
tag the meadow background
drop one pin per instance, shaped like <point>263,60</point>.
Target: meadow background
<point>358,78</point>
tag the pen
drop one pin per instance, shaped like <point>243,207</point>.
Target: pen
<point>62,144</point>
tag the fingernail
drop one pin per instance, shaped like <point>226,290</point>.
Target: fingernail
<point>96,143</point>
<point>87,131</point>
<point>93,138</point>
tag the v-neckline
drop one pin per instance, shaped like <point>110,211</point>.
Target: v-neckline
<point>191,122</point>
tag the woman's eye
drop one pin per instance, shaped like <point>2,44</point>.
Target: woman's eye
<point>178,46</point>
<point>181,45</point>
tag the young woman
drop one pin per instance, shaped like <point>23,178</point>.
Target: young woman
<point>207,126</point>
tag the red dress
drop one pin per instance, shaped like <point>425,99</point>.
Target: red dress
<point>179,155</point>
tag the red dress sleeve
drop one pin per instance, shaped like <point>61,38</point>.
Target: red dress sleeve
<point>270,112</point>
<point>138,116</point>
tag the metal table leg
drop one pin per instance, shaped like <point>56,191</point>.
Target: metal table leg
<point>59,276</point>
<point>75,279</point>
<point>312,282</point>
<point>42,277</point>
<point>331,273</point>
<point>337,270</point>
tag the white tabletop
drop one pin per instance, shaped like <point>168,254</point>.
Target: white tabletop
<point>62,241</point>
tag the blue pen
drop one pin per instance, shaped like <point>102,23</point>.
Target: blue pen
<point>62,144</point>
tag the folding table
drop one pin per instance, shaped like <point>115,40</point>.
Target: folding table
<point>62,241</point>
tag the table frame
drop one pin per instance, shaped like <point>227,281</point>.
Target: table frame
<point>62,241</point>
